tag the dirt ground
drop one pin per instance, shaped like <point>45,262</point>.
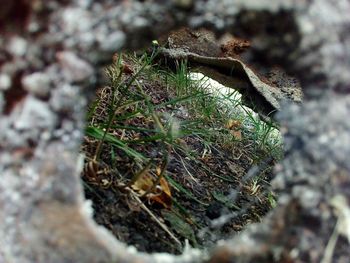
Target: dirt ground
<point>211,195</point>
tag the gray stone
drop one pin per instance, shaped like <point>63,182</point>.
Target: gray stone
<point>42,212</point>
<point>17,46</point>
<point>2,102</point>
<point>5,82</point>
<point>74,68</point>
<point>113,42</point>
<point>37,83</point>
<point>35,114</point>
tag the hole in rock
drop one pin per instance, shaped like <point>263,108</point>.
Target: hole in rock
<point>174,152</point>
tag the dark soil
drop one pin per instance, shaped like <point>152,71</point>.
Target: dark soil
<point>208,182</point>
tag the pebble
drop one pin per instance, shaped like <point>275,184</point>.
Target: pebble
<point>5,82</point>
<point>114,41</point>
<point>2,102</point>
<point>17,46</point>
<point>74,68</point>
<point>37,83</point>
<point>72,24</point>
<point>35,114</point>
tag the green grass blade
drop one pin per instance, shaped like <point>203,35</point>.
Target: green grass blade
<point>183,190</point>
<point>97,133</point>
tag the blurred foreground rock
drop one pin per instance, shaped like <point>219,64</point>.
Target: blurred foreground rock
<point>51,54</point>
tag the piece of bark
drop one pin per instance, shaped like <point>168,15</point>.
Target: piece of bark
<point>201,48</point>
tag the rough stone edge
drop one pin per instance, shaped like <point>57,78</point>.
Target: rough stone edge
<point>331,77</point>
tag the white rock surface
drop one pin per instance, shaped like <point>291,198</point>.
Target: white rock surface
<point>74,68</point>
<point>233,99</point>
<point>5,81</point>
<point>17,46</point>
<point>37,83</point>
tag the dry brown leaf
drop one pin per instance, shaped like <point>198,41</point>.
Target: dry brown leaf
<point>164,197</point>
<point>233,124</point>
<point>237,134</point>
<point>143,184</point>
<point>158,170</point>
<point>161,193</point>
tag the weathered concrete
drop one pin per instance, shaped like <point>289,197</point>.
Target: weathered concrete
<point>50,56</point>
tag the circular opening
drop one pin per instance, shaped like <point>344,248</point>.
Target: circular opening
<point>174,151</point>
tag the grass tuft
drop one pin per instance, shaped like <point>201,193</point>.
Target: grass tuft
<point>165,125</point>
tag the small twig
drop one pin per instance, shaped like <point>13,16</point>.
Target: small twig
<point>204,153</point>
<point>328,254</point>
<point>163,226</point>
<point>184,165</point>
